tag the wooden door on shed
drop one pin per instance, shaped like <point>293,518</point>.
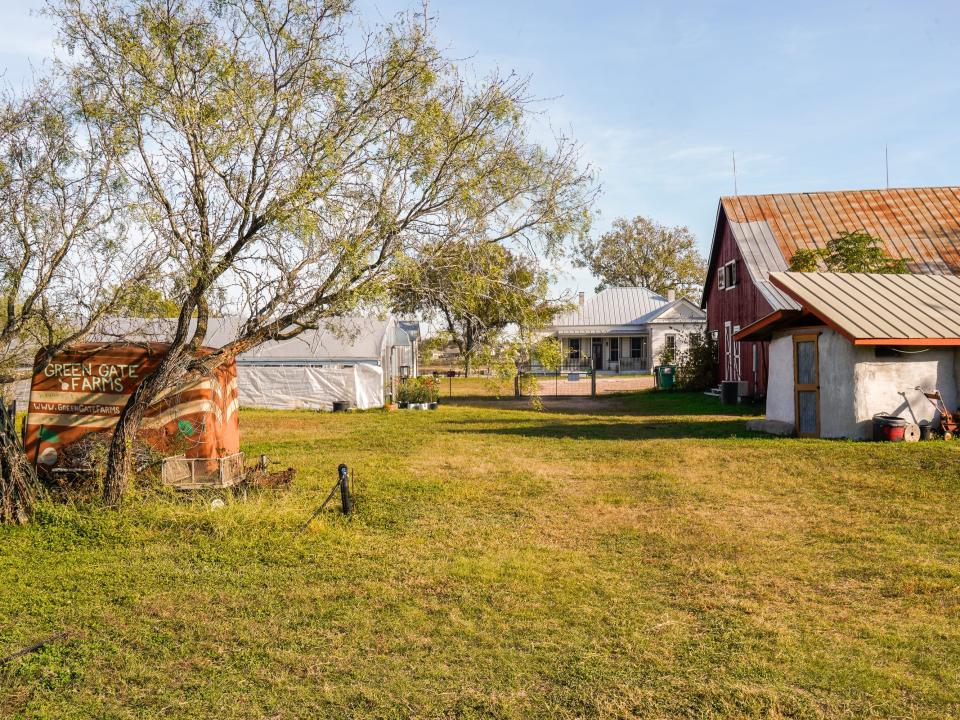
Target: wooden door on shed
<point>806,384</point>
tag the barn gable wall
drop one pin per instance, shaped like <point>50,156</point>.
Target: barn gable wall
<point>741,306</point>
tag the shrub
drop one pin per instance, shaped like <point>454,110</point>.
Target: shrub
<point>849,252</point>
<point>696,362</point>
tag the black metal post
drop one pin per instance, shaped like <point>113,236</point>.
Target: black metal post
<point>346,502</point>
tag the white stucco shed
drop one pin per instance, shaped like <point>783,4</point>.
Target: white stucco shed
<point>855,384</point>
<point>860,345</point>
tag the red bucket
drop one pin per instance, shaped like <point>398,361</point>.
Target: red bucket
<point>889,428</point>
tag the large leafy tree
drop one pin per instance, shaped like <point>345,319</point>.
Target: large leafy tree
<point>476,291</point>
<point>857,251</point>
<point>643,253</point>
<point>285,158</point>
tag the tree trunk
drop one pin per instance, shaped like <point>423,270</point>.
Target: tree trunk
<point>19,485</point>
<point>128,425</point>
<point>171,368</point>
<point>118,460</point>
<point>467,349</point>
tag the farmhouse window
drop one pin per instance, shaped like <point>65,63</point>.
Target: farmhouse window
<point>637,348</point>
<point>615,349</point>
<point>722,278</point>
<point>670,343</point>
<point>574,351</point>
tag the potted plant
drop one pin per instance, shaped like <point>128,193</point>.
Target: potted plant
<point>421,394</point>
<point>404,392</point>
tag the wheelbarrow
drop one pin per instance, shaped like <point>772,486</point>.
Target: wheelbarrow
<point>949,423</point>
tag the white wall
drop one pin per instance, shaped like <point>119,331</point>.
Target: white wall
<point>887,385</point>
<point>836,367</point>
<point>780,382</point>
<point>659,332</point>
<point>313,387</point>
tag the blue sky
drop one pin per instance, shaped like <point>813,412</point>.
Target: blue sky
<point>660,93</point>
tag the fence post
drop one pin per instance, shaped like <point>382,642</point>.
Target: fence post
<point>346,500</point>
<point>593,380</point>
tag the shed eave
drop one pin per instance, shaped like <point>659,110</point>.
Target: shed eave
<point>913,342</point>
<point>763,328</point>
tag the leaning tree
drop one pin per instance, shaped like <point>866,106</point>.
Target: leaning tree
<point>65,263</point>
<point>286,158</point>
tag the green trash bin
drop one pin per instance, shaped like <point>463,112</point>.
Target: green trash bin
<point>666,374</point>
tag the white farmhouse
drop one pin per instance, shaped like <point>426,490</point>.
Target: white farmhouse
<point>624,329</point>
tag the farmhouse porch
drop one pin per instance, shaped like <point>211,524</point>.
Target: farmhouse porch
<point>606,353</point>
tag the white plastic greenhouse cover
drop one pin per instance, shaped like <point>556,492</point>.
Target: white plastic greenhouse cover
<point>315,387</point>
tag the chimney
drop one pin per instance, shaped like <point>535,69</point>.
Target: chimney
<point>581,298</point>
<point>671,295</point>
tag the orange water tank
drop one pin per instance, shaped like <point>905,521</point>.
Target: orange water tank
<point>84,388</point>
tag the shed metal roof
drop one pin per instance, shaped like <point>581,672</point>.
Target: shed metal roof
<point>872,309</point>
<point>762,255</point>
<point>619,308</point>
<point>920,224</point>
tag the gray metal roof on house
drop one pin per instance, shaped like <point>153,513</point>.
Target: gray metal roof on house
<point>874,309</point>
<point>343,339</point>
<point>619,309</point>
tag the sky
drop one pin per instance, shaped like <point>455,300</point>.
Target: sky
<point>661,94</point>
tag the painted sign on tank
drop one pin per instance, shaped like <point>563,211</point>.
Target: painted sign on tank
<point>84,388</point>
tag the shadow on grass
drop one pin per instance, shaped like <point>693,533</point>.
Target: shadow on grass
<point>644,403</point>
<point>659,402</point>
<point>608,430</point>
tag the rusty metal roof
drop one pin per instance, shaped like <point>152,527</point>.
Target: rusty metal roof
<point>872,309</point>
<point>920,224</point>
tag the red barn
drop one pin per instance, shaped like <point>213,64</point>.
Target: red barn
<point>758,234</point>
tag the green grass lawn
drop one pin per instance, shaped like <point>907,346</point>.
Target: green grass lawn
<point>645,560</point>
